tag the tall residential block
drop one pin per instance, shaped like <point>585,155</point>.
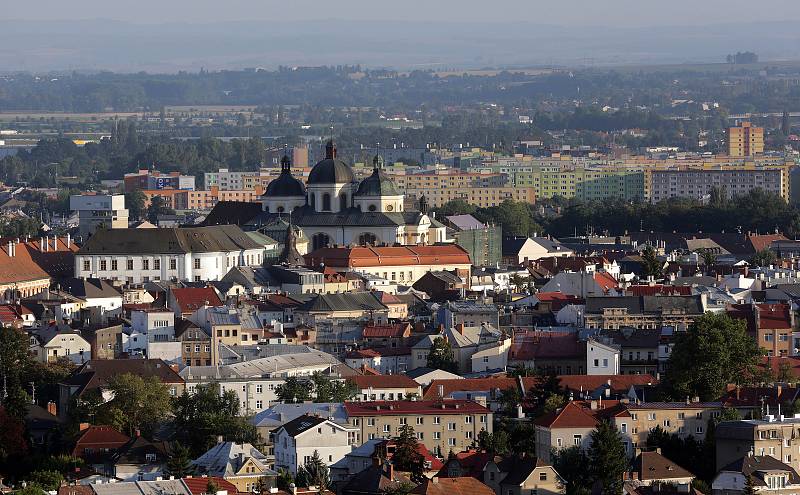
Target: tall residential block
<point>745,140</point>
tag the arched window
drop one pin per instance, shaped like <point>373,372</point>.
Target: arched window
<point>372,207</point>
<point>343,201</point>
<point>313,199</point>
<point>326,202</point>
<point>320,240</point>
<point>367,238</point>
<point>281,209</point>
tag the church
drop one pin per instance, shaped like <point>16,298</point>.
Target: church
<point>333,208</point>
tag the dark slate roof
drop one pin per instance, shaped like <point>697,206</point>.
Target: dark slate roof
<point>645,304</point>
<point>301,424</point>
<point>512,245</point>
<point>348,301</point>
<point>518,469</point>
<point>377,184</point>
<point>374,480</point>
<point>90,287</point>
<point>137,449</point>
<point>168,241</point>
<point>331,170</point>
<point>285,185</point>
<point>233,213</point>
<point>629,337</point>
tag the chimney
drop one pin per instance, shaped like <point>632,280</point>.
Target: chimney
<point>389,470</point>
<point>69,240</point>
<point>51,408</point>
<point>460,328</point>
<point>42,244</point>
<point>10,249</point>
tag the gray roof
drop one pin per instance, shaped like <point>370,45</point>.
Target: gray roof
<point>223,459</point>
<point>377,184</point>
<point>348,301</point>
<point>234,354</point>
<point>465,222</point>
<point>89,287</point>
<point>178,240</point>
<point>301,424</point>
<point>331,170</point>
<point>645,304</point>
<point>282,413</point>
<point>632,338</point>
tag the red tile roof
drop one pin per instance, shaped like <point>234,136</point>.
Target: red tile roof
<point>383,381</point>
<point>341,257</point>
<point>467,385</point>
<point>753,396</point>
<point>189,299</point>
<point>198,485</point>
<point>619,383</point>
<point>19,267</point>
<point>383,331</point>
<point>762,242</point>
<point>452,486</point>
<point>390,408</point>
<point>97,438</point>
<point>605,281</point>
<point>579,414</point>
<point>771,316</point>
<point>379,351</point>
<point>471,461</point>
<point>10,314</point>
<point>545,345</point>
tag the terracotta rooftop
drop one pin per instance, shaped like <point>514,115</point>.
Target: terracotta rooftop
<point>452,486</point>
<point>467,385</point>
<point>389,408</point>
<point>388,256</point>
<point>190,299</point>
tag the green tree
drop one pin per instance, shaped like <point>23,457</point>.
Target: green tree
<point>749,486</point>
<point>206,414</point>
<point>441,356</point>
<point>522,439</point>
<point>607,458</point>
<point>30,489</point>
<point>145,402</point>
<point>651,265</point>
<point>15,369</point>
<point>708,256</point>
<point>293,390</point>
<point>402,488</point>
<point>285,479</point>
<point>785,374</point>
<point>158,206</point>
<point>317,472</point>
<point>328,390</point>
<point>571,464</point>
<point>212,487</point>
<point>763,258</point>
<point>134,202</point>
<point>495,443</point>
<point>180,464</point>
<point>406,454</point>
<point>49,480</point>
<point>715,351</point>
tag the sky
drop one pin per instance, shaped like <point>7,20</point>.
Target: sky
<point>611,13</point>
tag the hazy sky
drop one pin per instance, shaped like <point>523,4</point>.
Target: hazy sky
<point>608,12</point>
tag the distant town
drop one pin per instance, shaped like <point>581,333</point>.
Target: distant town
<point>556,296</point>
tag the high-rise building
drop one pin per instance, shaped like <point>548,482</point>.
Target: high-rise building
<point>745,140</point>
<point>95,211</point>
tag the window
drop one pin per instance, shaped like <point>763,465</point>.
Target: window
<point>403,421</point>
<point>87,265</point>
<point>197,263</point>
<point>437,420</point>
<point>103,266</point>
<point>145,264</point>
<point>114,265</point>
<point>173,264</point>
<point>576,440</point>
<point>681,415</point>
<point>651,416</point>
<point>451,426</point>
<point>420,420</point>
<point>370,421</point>
<point>468,435</point>
<point>156,264</point>
<point>543,476</point>
<point>451,442</point>
<point>259,389</point>
<point>326,202</point>
<point>259,404</point>
<point>437,435</point>
<point>468,420</point>
<point>129,264</point>
<point>623,428</point>
<point>699,430</point>
<point>386,428</point>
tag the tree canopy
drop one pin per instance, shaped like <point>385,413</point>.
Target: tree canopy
<point>715,351</point>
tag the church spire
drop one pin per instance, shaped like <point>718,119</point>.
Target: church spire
<point>286,164</point>
<point>290,255</point>
<point>330,150</point>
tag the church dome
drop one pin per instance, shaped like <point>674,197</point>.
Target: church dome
<point>286,184</point>
<point>331,170</point>
<point>377,184</point>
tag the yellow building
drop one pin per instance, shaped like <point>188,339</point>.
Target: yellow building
<point>745,140</point>
<point>482,197</point>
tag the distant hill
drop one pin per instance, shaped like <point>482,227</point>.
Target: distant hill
<point>112,45</point>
